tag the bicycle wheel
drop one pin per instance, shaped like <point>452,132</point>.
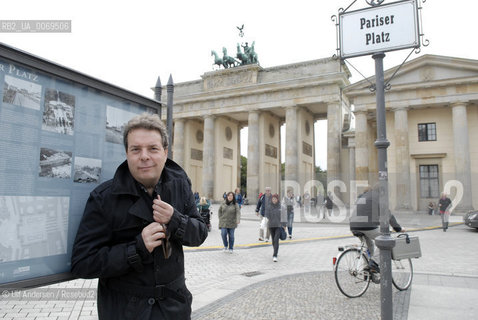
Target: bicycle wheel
<point>402,273</point>
<point>350,276</point>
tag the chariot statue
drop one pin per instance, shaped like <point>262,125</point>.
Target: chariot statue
<point>244,56</point>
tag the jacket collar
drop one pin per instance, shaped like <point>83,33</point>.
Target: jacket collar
<point>125,184</point>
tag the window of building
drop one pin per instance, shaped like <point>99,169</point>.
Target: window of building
<point>429,184</point>
<point>427,132</point>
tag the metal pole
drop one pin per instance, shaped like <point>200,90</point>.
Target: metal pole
<point>157,94</point>
<point>384,242</point>
<point>170,90</point>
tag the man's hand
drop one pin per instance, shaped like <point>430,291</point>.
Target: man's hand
<point>152,235</point>
<point>162,211</point>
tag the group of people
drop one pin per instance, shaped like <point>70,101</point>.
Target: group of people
<point>308,201</point>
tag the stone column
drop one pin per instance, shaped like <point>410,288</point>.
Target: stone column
<point>351,144</point>
<point>209,154</point>
<point>239,158</point>
<point>361,146</point>
<point>253,157</point>
<point>462,154</point>
<point>334,132</point>
<point>291,145</point>
<point>402,161</point>
<point>178,145</point>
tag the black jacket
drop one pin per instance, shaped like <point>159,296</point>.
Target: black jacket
<point>109,246</point>
<point>444,204</point>
<point>366,216</point>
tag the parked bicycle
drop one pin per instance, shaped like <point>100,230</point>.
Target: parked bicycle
<point>352,272</point>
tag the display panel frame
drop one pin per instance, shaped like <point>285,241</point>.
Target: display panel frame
<point>60,131</point>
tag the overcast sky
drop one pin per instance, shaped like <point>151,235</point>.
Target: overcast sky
<point>131,43</point>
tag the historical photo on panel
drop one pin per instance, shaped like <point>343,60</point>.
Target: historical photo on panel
<point>59,112</point>
<point>33,227</point>
<point>87,170</point>
<point>55,163</point>
<point>21,93</point>
<point>116,119</point>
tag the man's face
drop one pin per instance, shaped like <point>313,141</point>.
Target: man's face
<point>146,156</point>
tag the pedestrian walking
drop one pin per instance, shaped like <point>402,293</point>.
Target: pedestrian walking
<point>277,219</point>
<point>133,230</point>
<point>329,204</point>
<point>288,203</point>
<point>204,211</point>
<point>229,216</point>
<point>196,197</point>
<point>239,198</point>
<point>299,200</point>
<point>307,200</point>
<point>444,204</point>
<point>262,205</point>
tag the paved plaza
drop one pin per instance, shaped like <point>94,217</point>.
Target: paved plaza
<point>249,285</point>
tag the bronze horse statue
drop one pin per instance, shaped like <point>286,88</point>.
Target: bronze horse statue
<point>228,61</point>
<point>242,56</point>
<point>252,54</point>
<point>217,60</point>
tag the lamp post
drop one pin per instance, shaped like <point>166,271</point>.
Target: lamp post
<point>157,94</point>
<point>384,242</point>
<point>170,91</point>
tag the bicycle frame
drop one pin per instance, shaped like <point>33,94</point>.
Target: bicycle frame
<point>353,279</point>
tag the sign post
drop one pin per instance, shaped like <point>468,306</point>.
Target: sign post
<point>375,30</point>
<point>384,242</point>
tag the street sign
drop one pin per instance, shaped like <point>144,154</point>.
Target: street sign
<point>384,28</point>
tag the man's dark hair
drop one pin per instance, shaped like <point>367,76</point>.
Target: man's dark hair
<point>149,122</point>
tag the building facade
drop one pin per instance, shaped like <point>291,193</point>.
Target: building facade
<point>432,126</point>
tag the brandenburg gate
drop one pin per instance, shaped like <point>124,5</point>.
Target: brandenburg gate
<point>209,114</point>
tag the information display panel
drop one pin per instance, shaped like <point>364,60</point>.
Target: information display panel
<point>60,137</point>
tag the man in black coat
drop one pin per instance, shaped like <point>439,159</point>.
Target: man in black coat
<point>133,229</point>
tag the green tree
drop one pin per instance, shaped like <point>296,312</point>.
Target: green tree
<point>321,175</point>
<point>243,174</point>
<point>282,171</point>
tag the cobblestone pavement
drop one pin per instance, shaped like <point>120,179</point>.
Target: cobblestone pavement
<point>249,285</point>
